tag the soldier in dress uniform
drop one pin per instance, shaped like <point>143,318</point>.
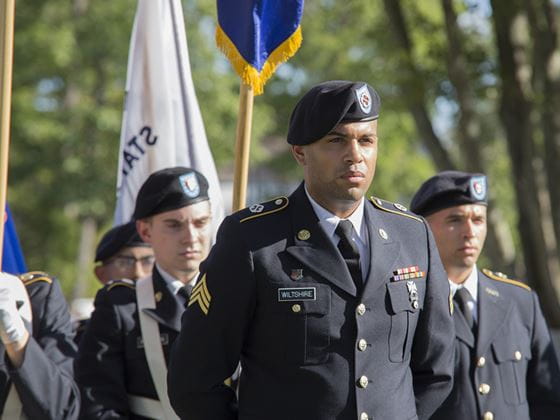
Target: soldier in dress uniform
<point>122,364</point>
<point>37,349</point>
<point>505,363</point>
<point>336,305</point>
<point>120,254</point>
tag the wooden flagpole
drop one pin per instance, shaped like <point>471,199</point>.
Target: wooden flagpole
<point>7,8</point>
<point>242,147</point>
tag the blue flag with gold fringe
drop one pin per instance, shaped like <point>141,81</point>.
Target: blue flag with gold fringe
<point>258,35</point>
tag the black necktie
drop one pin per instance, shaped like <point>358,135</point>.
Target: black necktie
<point>462,296</point>
<point>349,251</point>
<point>185,293</point>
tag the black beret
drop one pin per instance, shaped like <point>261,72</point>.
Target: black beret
<point>327,104</point>
<point>116,239</point>
<point>448,189</point>
<point>170,189</point>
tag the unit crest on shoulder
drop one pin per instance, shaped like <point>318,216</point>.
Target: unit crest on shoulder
<point>122,282</point>
<point>263,209</point>
<point>394,208</point>
<point>496,275</point>
<point>34,277</point>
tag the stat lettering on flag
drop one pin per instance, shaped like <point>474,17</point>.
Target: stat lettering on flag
<point>12,256</point>
<point>258,35</point>
<point>162,126</point>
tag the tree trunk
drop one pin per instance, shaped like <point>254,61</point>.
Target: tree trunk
<point>499,243</point>
<point>547,86</point>
<point>541,258</point>
<point>415,89</point>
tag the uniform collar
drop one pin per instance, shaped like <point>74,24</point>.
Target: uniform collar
<point>172,283</point>
<point>329,221</point>
<point>471,284</point>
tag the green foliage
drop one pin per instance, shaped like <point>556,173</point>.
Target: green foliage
<point>69,77</point>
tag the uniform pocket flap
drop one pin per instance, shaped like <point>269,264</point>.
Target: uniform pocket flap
<point>511,348</point>
<point>406,295</point>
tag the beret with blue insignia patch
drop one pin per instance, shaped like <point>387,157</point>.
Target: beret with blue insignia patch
<point>170,189</point>
<point>328,104</point>
<point>448,189</point>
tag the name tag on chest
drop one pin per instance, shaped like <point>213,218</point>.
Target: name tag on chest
<point>296,293</point>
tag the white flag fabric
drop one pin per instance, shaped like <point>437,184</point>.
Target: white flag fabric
<point>162,125</point>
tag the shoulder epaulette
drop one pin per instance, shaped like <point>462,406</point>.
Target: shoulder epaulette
<point>495,275</point>
<point>394,208</point>
<point>263,209</point>
<point>123,282</point>
<point>34,277</point>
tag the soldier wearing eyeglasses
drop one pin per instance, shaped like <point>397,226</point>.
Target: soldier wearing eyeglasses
<point>122,254</point>
<point>122,364</point>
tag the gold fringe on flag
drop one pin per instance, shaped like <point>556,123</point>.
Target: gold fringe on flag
<point>246,71</point>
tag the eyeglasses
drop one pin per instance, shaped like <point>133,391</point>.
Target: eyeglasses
<point>125,262</point>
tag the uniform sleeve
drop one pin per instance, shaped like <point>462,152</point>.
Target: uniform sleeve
<point>543,373</point>
<point>100,364</point>
<point>214,326</point>
<point>45,380</point>
<point>433,351</point>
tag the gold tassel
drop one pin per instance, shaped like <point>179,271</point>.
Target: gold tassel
<point>247,72</point>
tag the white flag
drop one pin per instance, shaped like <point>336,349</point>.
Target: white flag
<point>162,126</point>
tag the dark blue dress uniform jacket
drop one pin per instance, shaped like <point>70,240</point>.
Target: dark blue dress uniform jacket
<point>111,363</point>
<point>335,353</point>
<point>510,371</point>
<point>44,381</point>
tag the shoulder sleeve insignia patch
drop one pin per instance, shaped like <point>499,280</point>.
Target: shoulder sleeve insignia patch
<point>201,295</point>
<point>390,208</point>
<point>494,275</point>
<point>123,282</point>
<point>34,277</point>
<point>263,209</point>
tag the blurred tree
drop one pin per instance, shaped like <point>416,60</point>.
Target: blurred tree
<point>472,84</point>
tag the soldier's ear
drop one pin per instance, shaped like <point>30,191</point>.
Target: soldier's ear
<point>144,228</point>
<point>299,154</point>
<point>100,274</point>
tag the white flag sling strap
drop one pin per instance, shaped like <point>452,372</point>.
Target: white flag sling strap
<point>154,355</point>
<point>162,126</point>
<point>13,408</point>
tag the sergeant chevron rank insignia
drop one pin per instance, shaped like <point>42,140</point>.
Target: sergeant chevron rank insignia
<point>201,295</point>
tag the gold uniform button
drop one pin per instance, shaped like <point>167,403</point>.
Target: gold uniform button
<point>363,381</point>
<point>517,355</point>
<point>362,345</point>
<point>296,308</point>
<point>361,309</point>
<point>488,416</point>
<point>364,416</point>
<point>484,389</point>
<point>481,361</point>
